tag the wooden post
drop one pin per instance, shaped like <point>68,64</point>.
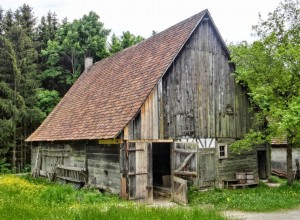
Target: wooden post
<point>36,170</point>
<point>289,160</point>
<point>298,169</point>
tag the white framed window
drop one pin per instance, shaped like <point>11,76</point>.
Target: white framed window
<point>222,148</point>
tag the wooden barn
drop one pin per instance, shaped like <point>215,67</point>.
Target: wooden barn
<point>160,114</point>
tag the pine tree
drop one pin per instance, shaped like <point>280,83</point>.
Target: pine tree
<point>11,101</point>
<point>18,73</point>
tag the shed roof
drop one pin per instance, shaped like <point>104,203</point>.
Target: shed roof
<point>107,97</point>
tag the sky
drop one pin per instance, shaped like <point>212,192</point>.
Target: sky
<point>233,18</point>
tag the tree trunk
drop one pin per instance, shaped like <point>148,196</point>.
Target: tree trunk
<point>289,163</point>
<point>14,158</point>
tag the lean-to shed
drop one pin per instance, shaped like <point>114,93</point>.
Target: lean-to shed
<point>161,113</point>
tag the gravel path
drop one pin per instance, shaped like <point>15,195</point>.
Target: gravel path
<point>279,215</point>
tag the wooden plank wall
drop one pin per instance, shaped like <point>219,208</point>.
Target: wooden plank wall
<point>101,161</point>
<point>227,168</point>
<point>237,163</point>
<point>192,99</point>
<point>133,129</point>
<point>198,88</point>
<point>50,155</point>
<point>148,124</point>
<point>103,166</point>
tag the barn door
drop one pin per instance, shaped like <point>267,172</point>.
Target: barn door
<point>184,166</point>
<point>207,167</point>
<point>180,190</point>
<point>140,172</point>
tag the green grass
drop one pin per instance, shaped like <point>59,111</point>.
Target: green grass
<point>258,199</point>
<point>276,179</point>
<point>27,198</point>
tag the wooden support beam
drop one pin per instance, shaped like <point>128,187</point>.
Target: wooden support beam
<point>185,151</point>
<point>151,141</point>
<point>185,173</point>
<point>110,141</point>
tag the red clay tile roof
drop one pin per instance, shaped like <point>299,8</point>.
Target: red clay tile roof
<point>106,98</point>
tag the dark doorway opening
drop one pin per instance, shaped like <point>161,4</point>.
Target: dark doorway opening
<point>161,163</point>
<point>262,164</point>
<point>161,160</point>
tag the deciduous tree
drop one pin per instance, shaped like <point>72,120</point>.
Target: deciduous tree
<point>72,43</point>
<point>270,68</point>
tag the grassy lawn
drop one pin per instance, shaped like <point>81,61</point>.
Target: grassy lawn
<point>258,199</point>
<point>26,198</point>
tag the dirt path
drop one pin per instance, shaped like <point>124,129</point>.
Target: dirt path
<point>279,215</point>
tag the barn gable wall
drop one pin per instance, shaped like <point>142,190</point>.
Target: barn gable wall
<point>197,97</point>
<point>201,99</point>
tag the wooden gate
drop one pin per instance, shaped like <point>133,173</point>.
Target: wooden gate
<point>184,166</point>
<point>207,167</point>
<point>180,190</point>
<point>140,180</point>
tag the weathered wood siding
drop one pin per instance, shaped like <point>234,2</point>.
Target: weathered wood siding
<point>100,161</point>
<point>133,129</point>
<point>201,98</point>
<point>52,154</point>
<point>227,168</point>
<point>197,97</point>
<point>148,124</point>
<point>104,167</point>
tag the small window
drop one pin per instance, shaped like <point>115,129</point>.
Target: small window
<point>222,151</point>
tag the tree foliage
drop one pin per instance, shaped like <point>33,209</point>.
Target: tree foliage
<point>126,40</point>
<point>66,52</point>
<point>18,115</point>
<point>270,68</point>
<point>38,64</point>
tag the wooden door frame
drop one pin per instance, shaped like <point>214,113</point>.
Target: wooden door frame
<point>258,164</point>
<point>126,189</point>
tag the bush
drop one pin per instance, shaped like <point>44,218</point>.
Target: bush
<point>275,179</point>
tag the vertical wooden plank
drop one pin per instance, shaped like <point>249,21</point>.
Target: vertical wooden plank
<point>194,95</point>
<point>150,174</point>
<point>150,117</point>
<point>172,146</point>
<point>160,98</point>
<point>123,170</point>
<point>132,170</point>
<point>155,113</point>
<point>126,135</point>
<point>141,171</point>
<point>146,121</point>
<point>143,121</point>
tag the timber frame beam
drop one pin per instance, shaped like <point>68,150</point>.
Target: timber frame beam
<point>151,140</point>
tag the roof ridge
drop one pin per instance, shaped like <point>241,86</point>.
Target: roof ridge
<point>156,35</point>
